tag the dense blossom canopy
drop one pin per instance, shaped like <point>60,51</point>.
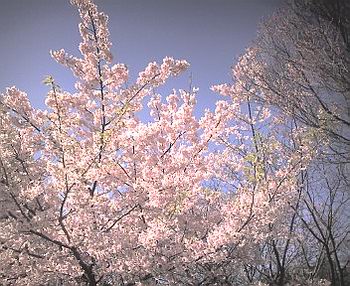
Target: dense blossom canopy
<point>90,194</point>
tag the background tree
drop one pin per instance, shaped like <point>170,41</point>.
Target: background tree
<point>299,65</point>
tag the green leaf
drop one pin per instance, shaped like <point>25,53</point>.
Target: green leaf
<point>48,80</point>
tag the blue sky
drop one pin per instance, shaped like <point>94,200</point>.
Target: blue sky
<point>209,34</point>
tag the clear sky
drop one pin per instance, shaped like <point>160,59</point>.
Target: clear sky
<point>209,34</point>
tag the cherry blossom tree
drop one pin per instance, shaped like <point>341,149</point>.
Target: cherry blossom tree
<point>92,195</point>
